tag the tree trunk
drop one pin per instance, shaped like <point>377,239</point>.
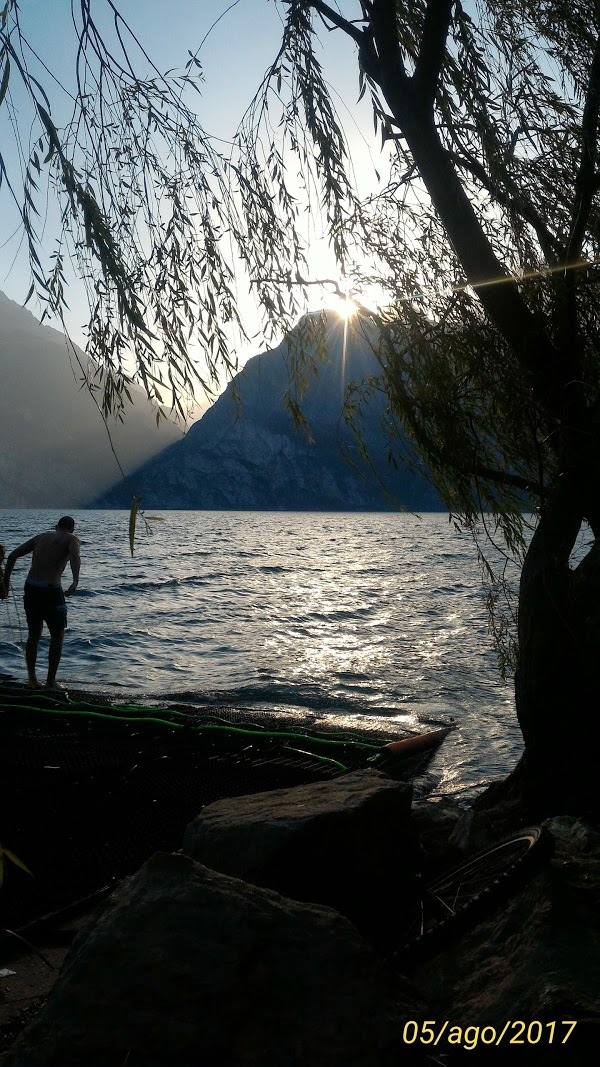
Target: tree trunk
<point>556,682</point>
<point>559,609</point>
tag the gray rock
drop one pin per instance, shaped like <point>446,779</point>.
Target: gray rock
<point>347,843</point>
<point>186,966</point>
<point>435,822</point>
<point>474,830</point>
<point>573,836</point>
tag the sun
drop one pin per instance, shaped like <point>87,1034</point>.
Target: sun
<point>343,306</point>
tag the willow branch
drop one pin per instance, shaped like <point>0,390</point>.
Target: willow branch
<point>384,24</point>
<point>506,478</point>
<point>432,49</point>
<point>585,182</point>
<point>336,19</point>
<point>512,197</point>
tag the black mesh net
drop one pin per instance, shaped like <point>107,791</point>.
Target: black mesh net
<point>90,789</point>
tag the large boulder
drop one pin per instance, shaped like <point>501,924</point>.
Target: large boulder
<point>347,843</point>
<point>537,957</point>
<point>187,966</point>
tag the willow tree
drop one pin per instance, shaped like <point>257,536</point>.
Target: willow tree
<point>484,242</point>
<point>494,117</point>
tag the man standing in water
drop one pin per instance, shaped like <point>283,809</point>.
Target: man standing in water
<point>44,599</point>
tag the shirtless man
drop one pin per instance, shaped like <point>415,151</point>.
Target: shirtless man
<point>43,595</point>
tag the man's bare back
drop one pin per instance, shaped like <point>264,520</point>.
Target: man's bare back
<point>44,600</point>
<point>51,553</point>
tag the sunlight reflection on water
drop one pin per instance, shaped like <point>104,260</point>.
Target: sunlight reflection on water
<point>350,615</point>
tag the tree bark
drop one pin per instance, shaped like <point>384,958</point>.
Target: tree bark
<point>555,376</point>
<point>553,679</point>
<point>559,609</point>
<point>556,682</point>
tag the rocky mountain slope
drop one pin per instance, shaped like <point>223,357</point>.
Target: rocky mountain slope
<point>246,453</point>
<point>54,450</point>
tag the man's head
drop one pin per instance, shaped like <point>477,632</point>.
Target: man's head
<point>66,523</point>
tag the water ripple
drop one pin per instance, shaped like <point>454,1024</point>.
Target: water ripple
<point>345,614</point>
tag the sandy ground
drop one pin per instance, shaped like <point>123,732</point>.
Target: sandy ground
<point>36,966</point>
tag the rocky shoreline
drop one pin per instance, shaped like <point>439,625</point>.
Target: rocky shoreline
<point>275,938</point>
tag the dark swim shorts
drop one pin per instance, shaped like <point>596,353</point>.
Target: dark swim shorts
<point>45,603</point>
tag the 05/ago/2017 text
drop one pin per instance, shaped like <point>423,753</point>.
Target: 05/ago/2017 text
<point>514,1032</point>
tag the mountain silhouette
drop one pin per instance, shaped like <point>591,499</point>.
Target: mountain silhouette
<point>54,449</point>
<point>246,452</point>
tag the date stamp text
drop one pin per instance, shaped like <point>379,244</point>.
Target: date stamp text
<point>514,1032</point>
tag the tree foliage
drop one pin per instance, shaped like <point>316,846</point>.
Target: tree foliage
<point>160,224</point>
<point>483,239</point>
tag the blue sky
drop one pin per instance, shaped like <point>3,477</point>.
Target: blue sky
<point>238,49</point>
<point>234,57</point>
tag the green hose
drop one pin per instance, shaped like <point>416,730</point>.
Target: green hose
<point>205,727</point>
<point>254,728</point>
<point>93,715</point>
<point>336,737</point>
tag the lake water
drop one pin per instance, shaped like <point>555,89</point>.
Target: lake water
<point>355,617</point>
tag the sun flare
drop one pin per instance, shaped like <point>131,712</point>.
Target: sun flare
<point>344,307</point>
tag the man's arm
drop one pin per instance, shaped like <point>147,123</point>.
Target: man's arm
<point>75,563</point>
<point>11,559</point>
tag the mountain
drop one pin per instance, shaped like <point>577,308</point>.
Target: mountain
<point>54,449</point>
<point>246,453</point>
